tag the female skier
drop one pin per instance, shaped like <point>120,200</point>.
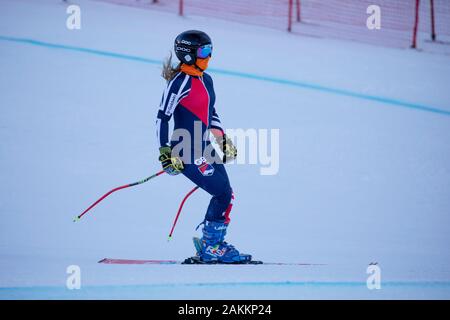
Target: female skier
<point>189,97</point>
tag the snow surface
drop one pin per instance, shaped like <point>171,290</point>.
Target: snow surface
<point>364,161</point>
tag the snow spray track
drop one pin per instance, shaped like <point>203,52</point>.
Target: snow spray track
<point>305,85</point>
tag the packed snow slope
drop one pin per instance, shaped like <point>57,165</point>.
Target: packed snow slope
<point>364,170</point>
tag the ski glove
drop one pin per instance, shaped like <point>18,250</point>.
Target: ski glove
<point>227,147</point>
<point>171,165</point>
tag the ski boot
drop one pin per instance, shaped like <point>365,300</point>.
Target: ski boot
<point>212,248</point>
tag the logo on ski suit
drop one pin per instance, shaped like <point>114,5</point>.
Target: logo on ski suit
<point>204,167</point>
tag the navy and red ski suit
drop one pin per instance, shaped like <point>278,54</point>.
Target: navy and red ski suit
<point>190,99</point>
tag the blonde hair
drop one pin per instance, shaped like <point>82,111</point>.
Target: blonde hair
<point>168,70</point>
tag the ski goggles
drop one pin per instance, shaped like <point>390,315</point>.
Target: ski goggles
<point>204,51</point>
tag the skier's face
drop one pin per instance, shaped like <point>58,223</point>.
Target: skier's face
<point>203,63</point>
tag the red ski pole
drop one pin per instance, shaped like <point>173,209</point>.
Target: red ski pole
<point>114,190</point>
<point>179,210</point>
